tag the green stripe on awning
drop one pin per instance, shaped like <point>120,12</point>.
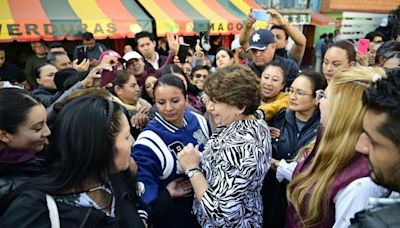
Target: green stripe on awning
<point>200,23</point>
<point>64,21</point>
<point>233,9</point>
<point>142,19</point>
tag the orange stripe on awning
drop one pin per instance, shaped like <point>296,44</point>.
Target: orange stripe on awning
<point>125,23</point>
<point>28,15</point>
<point>233,22</point>
<point>252,4</point>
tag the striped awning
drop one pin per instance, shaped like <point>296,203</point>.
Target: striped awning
<point>31,20</point>
<point>188,17</point>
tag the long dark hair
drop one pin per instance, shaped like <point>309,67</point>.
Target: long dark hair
<point>82,147</point>
<point>174,69</point>
<point>170,80</point>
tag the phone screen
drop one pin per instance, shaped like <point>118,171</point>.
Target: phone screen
<point>182,53</point>
<point>260,15</point>
<point>363,46</point>
<point>81,54</point>
<point>108,76</point>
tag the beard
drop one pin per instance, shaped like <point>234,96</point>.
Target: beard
<point>390,181</point>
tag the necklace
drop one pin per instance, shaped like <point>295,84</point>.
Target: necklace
<point>103,198</point>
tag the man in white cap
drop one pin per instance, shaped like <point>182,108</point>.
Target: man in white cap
<point>134,63</point>
<point>238,52</point>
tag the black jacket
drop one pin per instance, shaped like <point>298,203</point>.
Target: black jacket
<point>285,147</point>
<point>161,60</point>
<point>382,217</point>
<point>29,209</point>
<point>14,175</point>
<point>291,139</point>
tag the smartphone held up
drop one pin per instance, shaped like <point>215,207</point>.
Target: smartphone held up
<point>260,14</point>
<point>362,46</point>
<point>182,53</point>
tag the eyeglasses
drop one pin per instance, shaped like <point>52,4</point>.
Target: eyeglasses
<point>298,92</point>
<point>320,94</point>
<point>200,75</point>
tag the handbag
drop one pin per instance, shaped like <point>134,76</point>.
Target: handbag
<point>53,212</point>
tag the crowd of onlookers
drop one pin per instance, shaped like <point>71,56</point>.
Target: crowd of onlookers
<point>225,137</point>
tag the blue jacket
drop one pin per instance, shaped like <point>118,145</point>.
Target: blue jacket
<point>291,139</point>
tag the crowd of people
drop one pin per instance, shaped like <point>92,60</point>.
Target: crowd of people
<point>229,137</point>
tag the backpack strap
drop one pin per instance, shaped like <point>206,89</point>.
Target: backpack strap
<point>53,212</point>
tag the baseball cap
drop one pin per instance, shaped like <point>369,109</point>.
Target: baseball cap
<point>132,55</point>
<point>260,39</point>
<point>235,44</point>
<point>384,22</point>
<point>110,52</point>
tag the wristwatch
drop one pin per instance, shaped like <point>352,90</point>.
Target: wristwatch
<point>191,172</point>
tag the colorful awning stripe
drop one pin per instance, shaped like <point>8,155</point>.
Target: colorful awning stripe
<point>28,20</point>
<point>188,17</point>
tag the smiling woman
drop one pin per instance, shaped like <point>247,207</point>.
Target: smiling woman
<point>90,175</point>
<point>23,132</point>
<point>126,91</point>
<point>156,150</point>
<point>237,156</point>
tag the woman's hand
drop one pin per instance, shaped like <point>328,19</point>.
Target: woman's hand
<point>173,43</point>
<point>82,67</point>
<point>93,79</point>
<point>274,164</point>
<point>177,61</point>
<point>180,187</point>
<point>277,18</point>
<point>141,118</point>
<point>250,20</point>
<point>189,157</point>
<point>275,132</point>
<point>362,59</point>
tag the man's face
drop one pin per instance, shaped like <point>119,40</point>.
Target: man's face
<point>136,66</point>
<point>39,48</point>
<point>146,47</point>
<point>263,57</point>
<point>89,43</point>
<point>62,62</point>
<point>2,58</point>
<point>280,38</point>
<point>382,153</point>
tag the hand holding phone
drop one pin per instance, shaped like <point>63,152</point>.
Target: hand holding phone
<point>108,76</point>
<point>260,15</point>
<point>182,53</point>
<point>362,46</point>
<point>81,54</point>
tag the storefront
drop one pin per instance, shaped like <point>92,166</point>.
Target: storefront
<point>49,20</point>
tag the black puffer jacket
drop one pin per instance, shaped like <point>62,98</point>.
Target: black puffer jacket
<point>382,217</point>
<point>14,175</point>
<point>30,209</point>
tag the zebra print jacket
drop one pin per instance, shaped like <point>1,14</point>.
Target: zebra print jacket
<point>235,161</point>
